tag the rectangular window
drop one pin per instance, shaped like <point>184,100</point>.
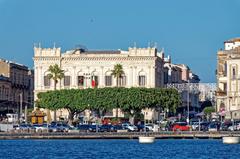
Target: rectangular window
<point>123,81</point>
<point>46,81</point>
<point>108,80</point>
<point>233,73</point>
<point>80,81</point>
<point>165,77</point>
<point>141,80</point>
<point>67,81</point>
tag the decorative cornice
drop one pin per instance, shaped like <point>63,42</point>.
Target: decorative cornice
<point>46,58</point>
<point>95,58</point>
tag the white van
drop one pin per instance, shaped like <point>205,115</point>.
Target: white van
<point>12,118</point>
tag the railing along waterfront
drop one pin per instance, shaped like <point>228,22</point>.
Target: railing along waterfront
<point>117,135</point>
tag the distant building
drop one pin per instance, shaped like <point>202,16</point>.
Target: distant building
<point>172,72</point>
<point>193,78</point>
<point>228,79</point>
<point>16,87</point>
<point>143,67</point>
<point>180,74</point>
<point>5,90</point>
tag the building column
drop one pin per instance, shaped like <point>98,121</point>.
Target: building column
<point>102,81</point>
<point>130,78</point>
<point>134,84</point>
<point>149,77</point>
<point>40,78</point>
<point>153,76</point>
<point>36,78</point>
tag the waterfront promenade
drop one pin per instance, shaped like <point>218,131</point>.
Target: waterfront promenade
<point>117,135</point>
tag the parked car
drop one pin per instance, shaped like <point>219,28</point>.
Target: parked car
<point>195,126</point>
<point>59,127</point>
<point>213,126</point>
<point>180,126</point>
<point>224,126</point>
<point>94,128</point>
<point>129,127</point>
<point>24,126</point>
<point>84,127</point>
<point>234,127</point>
<point>117,127</point>
<point>42,127</point>
<point>149,126</point>
<point>203,126</point>
<point>142,127</point>
<point>106,128</point>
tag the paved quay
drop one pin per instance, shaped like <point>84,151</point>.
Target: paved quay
<point>116,135</point>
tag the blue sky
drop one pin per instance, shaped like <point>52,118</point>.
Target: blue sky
<point>191,31</point>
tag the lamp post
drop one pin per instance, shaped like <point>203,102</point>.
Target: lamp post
<point>188,103</point>
<point>20,108</point>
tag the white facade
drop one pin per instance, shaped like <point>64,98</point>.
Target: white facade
<point>232,44</point>
<point>143,67</point>
<point>228,79</point>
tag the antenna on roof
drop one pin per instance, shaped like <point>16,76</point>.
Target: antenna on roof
<point>54,45</point>
<point>39,45</point>
<point>155,44</point>
<point>149,44</point>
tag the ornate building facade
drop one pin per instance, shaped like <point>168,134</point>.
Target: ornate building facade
<point>143,67</point>
<point>16,87</point>
<point>5,90</point>
<point>228,79</point>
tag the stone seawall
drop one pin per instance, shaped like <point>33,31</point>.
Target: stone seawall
<point>110,135</point>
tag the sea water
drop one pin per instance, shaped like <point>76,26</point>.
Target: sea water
<point>112,149</point>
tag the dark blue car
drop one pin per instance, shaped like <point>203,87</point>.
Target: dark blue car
<point>84,127</point>
<point>106,128</point>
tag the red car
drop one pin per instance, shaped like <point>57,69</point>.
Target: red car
<point>180,126</point>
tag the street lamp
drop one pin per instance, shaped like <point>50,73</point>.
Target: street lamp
<point>188,103</point>
<point>20,108</point>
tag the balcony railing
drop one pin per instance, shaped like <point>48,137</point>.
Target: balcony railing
<point>220,92</point>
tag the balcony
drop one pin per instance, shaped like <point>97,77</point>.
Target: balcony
<point>222,79</point>
<point>220,92</point>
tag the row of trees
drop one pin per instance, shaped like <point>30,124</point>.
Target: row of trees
<point>56,74</point>
<point>130,100</point>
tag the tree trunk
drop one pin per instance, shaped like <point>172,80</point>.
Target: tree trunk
<point>48,116</point>
<point>55,111</point>
<point>117,103</point>
<point>70,117</point>
<point>131,118</point>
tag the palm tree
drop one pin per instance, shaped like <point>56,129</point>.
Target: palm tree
<point>117,72</point>
<point>55,74</point>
